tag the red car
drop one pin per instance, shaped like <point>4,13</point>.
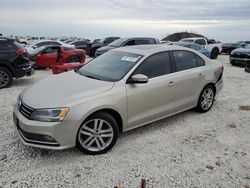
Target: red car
<point>59,58</point>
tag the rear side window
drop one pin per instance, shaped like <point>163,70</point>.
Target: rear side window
<point>200,42</point>
<point>184,60</point>
<point>6,45</point>
<point>200,61</point>
<point>140,42</point>
<point>154,66</point>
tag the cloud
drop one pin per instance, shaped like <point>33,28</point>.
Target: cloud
<point>122,17</point>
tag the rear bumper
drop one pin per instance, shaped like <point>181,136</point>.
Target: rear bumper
<point>219,86</point>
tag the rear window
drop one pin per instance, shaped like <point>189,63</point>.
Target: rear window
<point>6,45</point>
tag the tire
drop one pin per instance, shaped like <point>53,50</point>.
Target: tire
<point>5,78</point>
<point>98,134</point>
<point>207,94</point>
<point>214,53</point>
<point>92,52</point>
<point>74,59</point>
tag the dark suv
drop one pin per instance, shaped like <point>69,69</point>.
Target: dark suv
<point>103,42</point>
<point>13,62</point>
<point>126,42</point>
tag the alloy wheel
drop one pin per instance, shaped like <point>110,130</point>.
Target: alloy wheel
<point>95,135</point>
<point>207,98</point>
<point>4,78</point>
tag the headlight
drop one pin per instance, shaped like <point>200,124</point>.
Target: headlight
<point>50,115</point>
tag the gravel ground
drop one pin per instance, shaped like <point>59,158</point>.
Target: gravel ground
<point>186,150</point>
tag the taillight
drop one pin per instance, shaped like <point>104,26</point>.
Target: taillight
<point>21,52</point>
<point>222,68</point>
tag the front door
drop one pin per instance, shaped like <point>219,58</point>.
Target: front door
<point>48,57</point>
<point>155,99</point>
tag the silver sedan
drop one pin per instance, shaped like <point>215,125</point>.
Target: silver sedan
<point>122,89</point>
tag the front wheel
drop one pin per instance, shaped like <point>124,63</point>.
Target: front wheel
<point>206,99</point>
<point>97,134</point>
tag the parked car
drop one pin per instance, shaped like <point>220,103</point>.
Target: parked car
<point>126,42</point>
<point>46,43</point>
<point>194,46</point>
<point>82,44</point>
<point>49,56</point>
<point>13,62</point>
<point>227,48</point>
<point>240,56</point>
<point>96,41</point>
<point>103,42</point>
<point>115,92</point>
<point>215,48</point>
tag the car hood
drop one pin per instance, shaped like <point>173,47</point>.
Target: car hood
<point>62,90</point>
<point>241,50</point>
<point>105,48</point>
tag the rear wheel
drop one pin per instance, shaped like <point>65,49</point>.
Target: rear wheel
<point>74,58</point>
<point>97,134</point>
<point>206,99</point>
<point>214,53</point>
<point>5,77</point>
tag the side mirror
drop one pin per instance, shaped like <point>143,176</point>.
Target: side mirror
<point>138,79</point>
<point>35,46</point>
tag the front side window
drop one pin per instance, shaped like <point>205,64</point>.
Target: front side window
<point>154,66</point>
<point>184,60</point>
<point>51,50</point>
<point>130,43</point>
<point>111,66</point>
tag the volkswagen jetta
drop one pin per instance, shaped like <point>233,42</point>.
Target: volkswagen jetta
<point>123,89</point>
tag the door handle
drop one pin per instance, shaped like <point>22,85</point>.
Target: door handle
<point>170,84</point>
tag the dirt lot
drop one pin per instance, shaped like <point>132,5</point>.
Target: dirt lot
<point>186,150</point>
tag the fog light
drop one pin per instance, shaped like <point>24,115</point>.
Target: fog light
<point>49,139</point>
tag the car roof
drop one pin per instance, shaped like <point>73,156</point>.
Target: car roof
<point>147,50</point>
<point>194,38</point>
<point>135,38</point>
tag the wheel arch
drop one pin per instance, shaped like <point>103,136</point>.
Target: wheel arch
<point>112,112</point>
<point>8,68</point>
<point>213,86</point>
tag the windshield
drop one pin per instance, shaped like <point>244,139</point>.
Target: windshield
<point>187,40</point>
<point>111,66</point>
<point>117,43</point>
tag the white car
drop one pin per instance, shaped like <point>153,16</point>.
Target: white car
<point>214,47</point>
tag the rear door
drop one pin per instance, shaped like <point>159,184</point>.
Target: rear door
<point>48,57</point>
<point>190,78</point>
<point>155,99</point>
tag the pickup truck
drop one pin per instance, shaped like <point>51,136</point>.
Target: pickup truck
<point>214,47</point>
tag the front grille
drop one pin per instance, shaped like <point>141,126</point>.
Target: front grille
<point>25,110</point>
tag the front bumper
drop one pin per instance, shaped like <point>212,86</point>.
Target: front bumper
<point>239,60</point>
<point>46,135</point>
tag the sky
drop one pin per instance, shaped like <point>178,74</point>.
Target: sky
<point>223,20</point>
